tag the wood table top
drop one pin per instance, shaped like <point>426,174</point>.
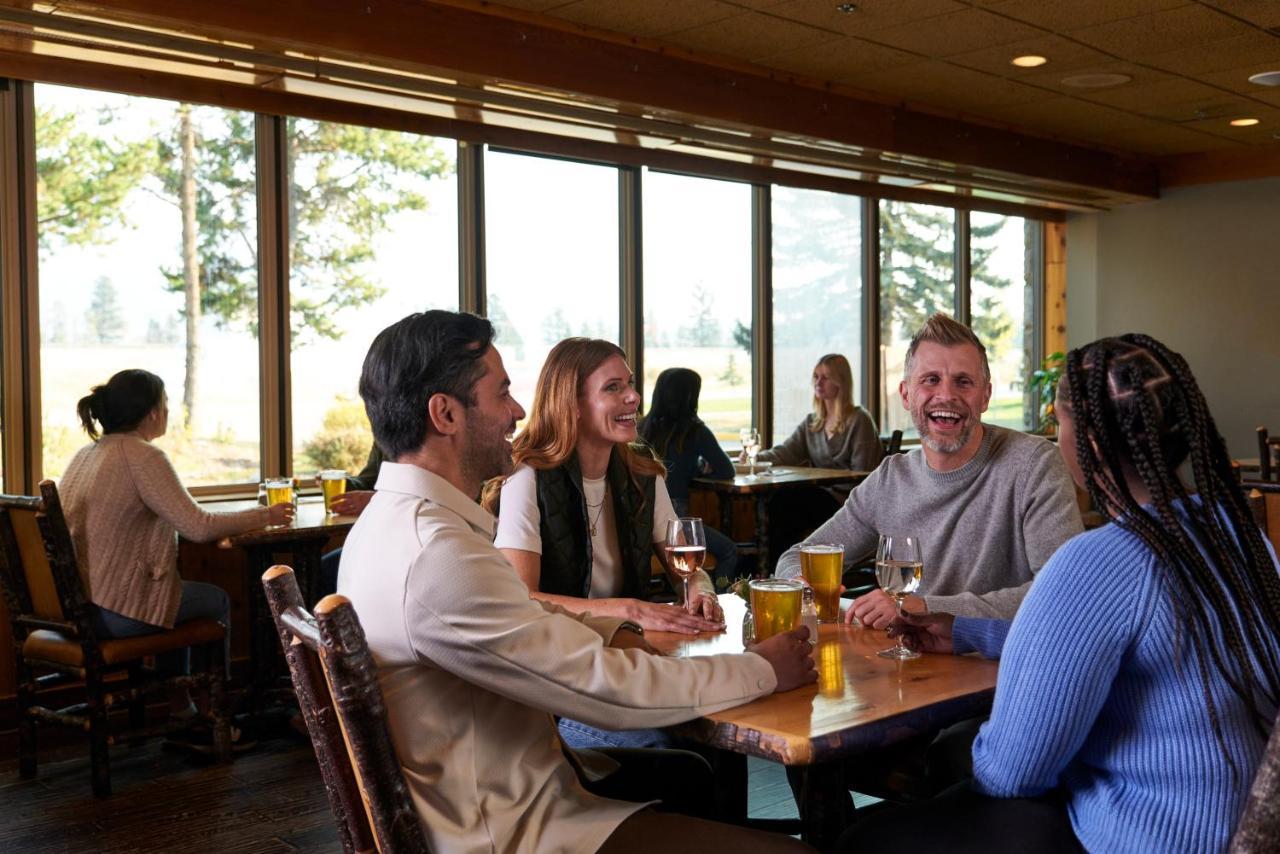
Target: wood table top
<point>860,701</point>
<point>778,477</point>
<point>310,523</point>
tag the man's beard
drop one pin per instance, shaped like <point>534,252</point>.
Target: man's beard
<point>487,454</point>
<point>942,446</point>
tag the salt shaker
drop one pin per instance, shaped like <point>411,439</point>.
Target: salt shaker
<point>809,614</point>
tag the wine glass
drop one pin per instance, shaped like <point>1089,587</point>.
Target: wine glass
<point>751,445</point>
<point>898,567</point>
<point>686,549</point>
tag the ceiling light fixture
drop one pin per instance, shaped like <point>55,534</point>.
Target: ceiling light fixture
<point>1243,123</point>
<point>1028,61</point>
<point>847,8</point>
<point>1095,81</point>
<point>1266,78</point>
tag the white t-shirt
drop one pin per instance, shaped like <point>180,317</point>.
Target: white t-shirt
<point>518,525</point>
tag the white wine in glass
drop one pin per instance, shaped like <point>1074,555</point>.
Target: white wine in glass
<point>898,570</point>
<point>686,549</point>
<point>751,446</point>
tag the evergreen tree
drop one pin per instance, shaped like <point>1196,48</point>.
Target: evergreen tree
<point>106,326</point>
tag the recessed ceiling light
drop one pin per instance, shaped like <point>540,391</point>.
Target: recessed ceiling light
<point>1266,78</point>
<point>1095,81</point>
<point>847,8</point>
<point>1243,123</point>
<point>1028,61</point>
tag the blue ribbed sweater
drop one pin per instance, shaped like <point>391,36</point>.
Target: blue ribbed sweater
<point>1097,695</point>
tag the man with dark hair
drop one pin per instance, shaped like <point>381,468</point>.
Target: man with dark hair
<point>989,504</point>
<point>471,668</point>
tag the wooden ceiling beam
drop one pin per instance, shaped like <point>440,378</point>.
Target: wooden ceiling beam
<point>424,35</point>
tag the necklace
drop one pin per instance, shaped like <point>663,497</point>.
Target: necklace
<point>599,508</point>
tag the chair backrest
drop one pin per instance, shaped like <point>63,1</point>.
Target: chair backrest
<point>1264,501</point>
<point>1264,455</point>
<point>41,578</point>
<point>893,445</point>
<point>1258,831</point>
<point>336,682</point>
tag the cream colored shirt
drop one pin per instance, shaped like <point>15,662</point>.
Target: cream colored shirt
<point>472,670</point>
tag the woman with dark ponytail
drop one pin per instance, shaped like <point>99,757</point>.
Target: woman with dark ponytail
<point>124,505</point>
<point>1139,680</point>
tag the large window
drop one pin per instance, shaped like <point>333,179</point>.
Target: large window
<point>551,260</point>
<point>148,239</point>
<point>697,292</point>
<point>1001,282</point>
<point>917,279</point>
<point>817,295</point>
<point>373,236</point>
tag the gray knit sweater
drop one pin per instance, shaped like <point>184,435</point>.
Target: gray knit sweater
<point>985,529</point>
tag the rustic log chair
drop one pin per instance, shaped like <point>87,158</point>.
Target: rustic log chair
<point>1264,501</point>
<point>337,686</point>
<point>53,634</point>
<point>1266,458</point>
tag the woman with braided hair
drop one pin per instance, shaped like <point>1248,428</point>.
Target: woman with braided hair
<point>1139,680</point>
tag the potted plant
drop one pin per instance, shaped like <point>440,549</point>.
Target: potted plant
<point>1044,385</point>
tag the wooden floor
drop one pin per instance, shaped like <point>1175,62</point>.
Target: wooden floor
<point>269,799</point>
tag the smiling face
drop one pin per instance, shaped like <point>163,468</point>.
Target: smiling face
<point>946,395</point>
<point>608,403</point>
<point>490,422</point>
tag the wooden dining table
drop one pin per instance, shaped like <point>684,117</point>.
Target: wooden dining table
<point>762,486</point>
<point>303,541</point>
<point>860,702</point>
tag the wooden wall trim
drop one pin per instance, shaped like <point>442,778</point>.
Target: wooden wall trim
<point>1055,287</point>
<point>1210,167</point>
<point>423,35</point>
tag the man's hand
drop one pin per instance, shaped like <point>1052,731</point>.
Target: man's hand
<point>629,639</point>
<point>352,503</point>
<point>791,656</point>
<point>876,609</point>
<point>656,617</point>
<point>924,632</point>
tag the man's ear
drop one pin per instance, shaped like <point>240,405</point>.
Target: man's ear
<point>444,414</point>
<point>904,394</point>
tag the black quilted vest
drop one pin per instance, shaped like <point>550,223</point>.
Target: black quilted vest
<point>566,538</point>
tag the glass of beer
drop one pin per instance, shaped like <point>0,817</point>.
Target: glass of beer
<point>279,491</point>
<point>333,482</point>
<point>775,606</point>
<point>822,565</point>
<point>898,569</point>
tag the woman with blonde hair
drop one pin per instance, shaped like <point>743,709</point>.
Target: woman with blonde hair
<point>838,434</point>
<point>586,509</point>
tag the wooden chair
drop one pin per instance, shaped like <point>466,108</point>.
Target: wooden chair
<point>53,635</point>
<point>1266,466</point>
<point>1264,501</point>
<point>337,686</point>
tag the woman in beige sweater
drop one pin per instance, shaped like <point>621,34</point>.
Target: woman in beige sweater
<point>124,504</point>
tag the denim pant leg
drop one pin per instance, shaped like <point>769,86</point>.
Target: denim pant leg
<point>579,735</point>
<point>327,582</point>
<point>201,600</point>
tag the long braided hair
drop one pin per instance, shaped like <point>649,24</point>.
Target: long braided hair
<point>1136,409</point>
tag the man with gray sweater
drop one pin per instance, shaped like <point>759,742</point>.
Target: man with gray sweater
<point>990,505</point>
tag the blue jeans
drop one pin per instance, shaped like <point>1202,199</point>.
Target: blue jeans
<point>721,547</point>
<point>199,600</point>
<point>579,735</point>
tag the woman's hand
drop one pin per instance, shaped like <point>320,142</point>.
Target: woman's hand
<point>924,632</point>
<point>656,617</point>
<point>280,514</point>
<point>706,604</point>
<point>877,609</point>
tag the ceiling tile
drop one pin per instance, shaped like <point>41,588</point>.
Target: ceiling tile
<point>1068,116</point>
<point>1063,16</point>
<point>1264,13</point>
<point>1223,107</point>
<point>871,15</point>
<point>1051,78</point>
<point>1221,54</point>
<point>749,36</point>
<point>1237,79</point>
<point>1259,133</point>
<point>1161,31</point>
<point>652,18</point>
<point>1063,56</point>
<point>1170,90</point>
<point>839,60</point>
<point>975,92</point>
<point>954,33</point>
